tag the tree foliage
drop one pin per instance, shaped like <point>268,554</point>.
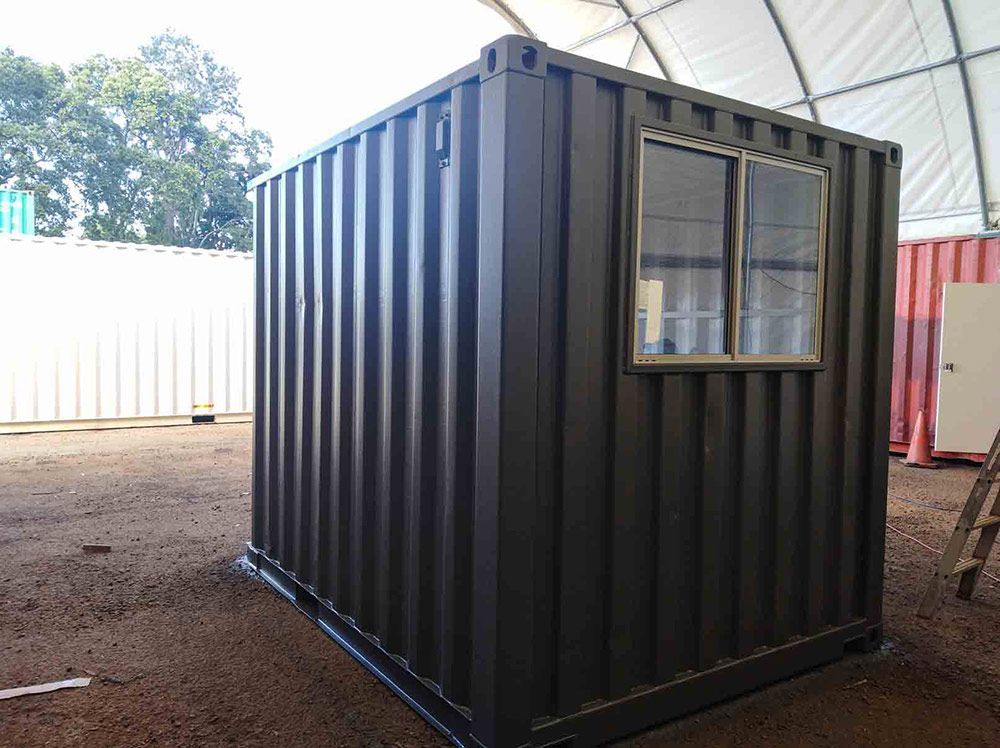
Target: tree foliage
<point>33,137</point>
<point>153,148</point>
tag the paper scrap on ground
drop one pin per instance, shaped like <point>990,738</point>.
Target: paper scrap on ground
<point>12,693</point>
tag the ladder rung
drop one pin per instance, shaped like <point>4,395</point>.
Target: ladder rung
<point>987,520</point>
<point>964,566</point>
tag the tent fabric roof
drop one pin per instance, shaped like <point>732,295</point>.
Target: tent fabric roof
<point>924,73</point>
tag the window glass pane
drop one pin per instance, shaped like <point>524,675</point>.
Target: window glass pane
<point>779,269</point>
<point>684,256</point>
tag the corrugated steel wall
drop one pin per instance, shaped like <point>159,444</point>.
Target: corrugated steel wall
<point>99,334</point>
<point>923,269</point>
<point>696,517</point>
<point>363,480</point>
<point>454,475</point>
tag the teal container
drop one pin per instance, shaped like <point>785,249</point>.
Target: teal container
<point>17,212</point>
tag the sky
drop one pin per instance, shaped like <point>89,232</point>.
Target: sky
<point>308,69</point>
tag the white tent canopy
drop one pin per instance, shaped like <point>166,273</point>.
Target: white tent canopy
<point>925,73</point>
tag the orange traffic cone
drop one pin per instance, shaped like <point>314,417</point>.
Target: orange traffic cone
<point>919,454</point>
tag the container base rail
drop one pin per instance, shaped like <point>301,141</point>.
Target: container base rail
<point>589,727</point>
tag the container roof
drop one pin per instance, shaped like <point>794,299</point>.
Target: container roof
<point>918,72</point>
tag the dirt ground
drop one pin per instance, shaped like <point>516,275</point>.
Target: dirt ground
<point>187,649</point>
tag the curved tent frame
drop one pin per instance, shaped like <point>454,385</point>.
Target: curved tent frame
<point>928,87</point>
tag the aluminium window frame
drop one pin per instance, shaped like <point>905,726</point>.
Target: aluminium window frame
<point>743,151</point>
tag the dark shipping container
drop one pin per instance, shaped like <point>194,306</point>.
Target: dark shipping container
<point>463,474</point>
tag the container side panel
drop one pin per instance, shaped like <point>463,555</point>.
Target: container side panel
<point>322,527</point>
<point>303,374</point>
<point>629,527</point>
<point>825,431</point>
<point>368,288</point>
<point>271,416</point>
<point>548,538</point>
<point>754,516</point>
<point>391,404</point>
<point>364,412</point>
<point>286,368</point>
<point>716,518</point>
<point>456,425</point>
<point>261,354</point>
<point>581,541</point>
<point>288,334</point>
<point>857,336</point>
<point>421,393</point>
<point>341,448</point>
<point>790,400</point>
<point>679,540</point>
<point>489,333</point>
<point>695,518</point>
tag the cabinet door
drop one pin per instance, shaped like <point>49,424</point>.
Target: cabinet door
<point>968,410</point>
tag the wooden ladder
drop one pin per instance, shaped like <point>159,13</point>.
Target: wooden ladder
<point>969,521</point>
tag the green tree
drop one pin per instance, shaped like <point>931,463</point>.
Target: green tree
<point>155,147</point>
<point>33,137</point>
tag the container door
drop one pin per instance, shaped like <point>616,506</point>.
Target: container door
<point>968,410</point>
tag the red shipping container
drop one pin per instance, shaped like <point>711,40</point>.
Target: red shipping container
<point>923,267</point>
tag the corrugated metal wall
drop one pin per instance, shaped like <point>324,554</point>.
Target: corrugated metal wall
<point>923,269</point>
<point>454,475</point>
<point>363,480</point>
<point>99,334</point>
<point>696,517</point>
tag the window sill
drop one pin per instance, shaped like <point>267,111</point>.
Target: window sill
<point>688,367</point>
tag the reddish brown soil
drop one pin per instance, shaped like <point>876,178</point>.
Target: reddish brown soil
<point>186,648</point>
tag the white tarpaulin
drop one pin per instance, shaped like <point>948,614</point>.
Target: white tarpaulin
<point>888,69</point>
